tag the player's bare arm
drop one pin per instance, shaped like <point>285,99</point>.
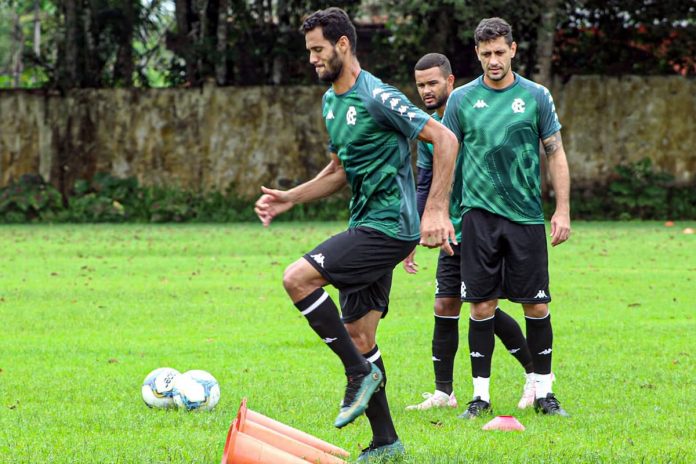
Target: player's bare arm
<point>436,227</point>
<point>274,202</point>
<point>560,180</point>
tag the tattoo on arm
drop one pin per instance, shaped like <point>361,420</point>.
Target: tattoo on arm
<point>553,143</point>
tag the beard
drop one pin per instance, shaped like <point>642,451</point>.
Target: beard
<point>501,76</point>
<point>332,69</point>
<point>439,101</point>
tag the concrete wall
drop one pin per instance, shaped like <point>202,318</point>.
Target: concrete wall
<point>212,138</point>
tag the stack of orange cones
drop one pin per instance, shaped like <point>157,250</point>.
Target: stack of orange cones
<point>505,423</point>
<point>256,439</point>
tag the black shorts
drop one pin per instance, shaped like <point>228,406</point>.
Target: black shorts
<point>448,279</point>
<point>503,259</point>
<point>359,263</point>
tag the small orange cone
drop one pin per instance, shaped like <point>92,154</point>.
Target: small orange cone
<point>506,423</point>
<point>290,431</point>
<point>251,442</point>
<point>240,448</point>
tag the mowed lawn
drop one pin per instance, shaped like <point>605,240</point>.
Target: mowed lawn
<point>87,311</point>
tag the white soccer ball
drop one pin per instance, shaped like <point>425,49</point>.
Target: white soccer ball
<point>196,390</point>
<point>157,387</point>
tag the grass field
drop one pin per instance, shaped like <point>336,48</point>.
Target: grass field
<point>88,311</point>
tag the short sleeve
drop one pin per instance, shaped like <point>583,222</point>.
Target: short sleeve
<point>394,110</point>
<point>451,120</point>
<point>548,119</point>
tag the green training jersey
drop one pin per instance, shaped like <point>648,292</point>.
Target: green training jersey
<point>369,127</point>
<point>425,161</point>
<point>499,132</point>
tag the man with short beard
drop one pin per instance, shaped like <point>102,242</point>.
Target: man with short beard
<point>499,120</point>
<point>369,125</point>
<point>435,82</point>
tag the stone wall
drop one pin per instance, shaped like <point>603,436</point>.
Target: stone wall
<point>242,137</point>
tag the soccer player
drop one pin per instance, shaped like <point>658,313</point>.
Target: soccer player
<point>435,82</point>
<point>499,119</point>
<point>369,125</point>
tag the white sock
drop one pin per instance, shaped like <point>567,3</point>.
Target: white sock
<point>481,385</point>
<point>543,385</point>
<point>529,377</point>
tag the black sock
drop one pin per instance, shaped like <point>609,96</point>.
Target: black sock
<point>377,412</point>
<point>509,332</point>
<point>540,341</point>
<point>445,345</point>
<point>322,315</point>
<point>481,345</point>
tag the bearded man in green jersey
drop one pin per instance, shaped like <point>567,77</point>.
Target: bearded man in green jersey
<point>369,125</point>
<point>499,120</point>
<point>435,83</point>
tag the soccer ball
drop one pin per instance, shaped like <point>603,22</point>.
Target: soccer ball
<point>157,387</point>
<point>196,390</point>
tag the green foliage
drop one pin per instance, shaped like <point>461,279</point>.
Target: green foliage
<point>29,199</point>
<point>639,192</point>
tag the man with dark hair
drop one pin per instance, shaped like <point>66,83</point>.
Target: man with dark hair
<point>499,120</point>
<point>435,82</point>
<point>369,125</point>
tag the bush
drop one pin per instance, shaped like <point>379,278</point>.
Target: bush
<point>30,199</point>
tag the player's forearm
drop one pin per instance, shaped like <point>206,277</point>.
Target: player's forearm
<point>445,149</point>
<point>560,180</point>
<point>330,180</point>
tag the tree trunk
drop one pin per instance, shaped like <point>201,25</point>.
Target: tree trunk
<point>37,28</point>
<point>17,49</point>
<point>545,36</point>
<point>123,71</point>
<point>221,61</point>
<point>70,45</point>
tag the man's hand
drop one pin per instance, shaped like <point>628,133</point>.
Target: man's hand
<point>272,203</point>
<point>560,228</point>
<point>410,264</point>
<point>437,231</point>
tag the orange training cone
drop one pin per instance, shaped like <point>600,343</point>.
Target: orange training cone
<point>240,448</point>
<point>290,431</point>
<point>505,423</point>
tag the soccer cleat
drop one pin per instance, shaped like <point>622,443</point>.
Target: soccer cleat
<point>434,400</point>
<point>385,453</point>
<point>477,408</point>
<point>550,406</point>
<point>528,393</point>
<point>359,390</point>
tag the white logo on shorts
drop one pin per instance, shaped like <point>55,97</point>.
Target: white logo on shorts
<point>541,294</point>
<point>476,354</point>
<point>319,258</point>
<point>462,290</point>
<point>546,351</point>
<point>328,340</point>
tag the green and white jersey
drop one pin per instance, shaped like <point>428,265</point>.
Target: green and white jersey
<point>499,132</point>
<point>369,127</point>
<point>425,161</point>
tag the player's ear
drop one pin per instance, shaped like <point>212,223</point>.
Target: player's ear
<point>343,44</point>
<point>513,47</point>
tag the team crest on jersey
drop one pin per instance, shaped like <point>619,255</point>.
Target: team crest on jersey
<point>351,116</point>
<point>518,105</point>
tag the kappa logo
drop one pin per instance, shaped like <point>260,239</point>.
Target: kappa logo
<point>328,340</point>
<point>541,294</point>
<point>546,351</point>
<point>476,354</point>
<point>319,258</point>
<point>411,115</point>
<point>351,116</point>
<point>403,109</point>
<point>462,290</point>
<point>385,96</point>
<point>393,102</point>
<point>330,115</point>
<point>435,358</point>
<point>480,104</point>
<point>376,92</point>
<point>514,350</point>
<point>518,105</point>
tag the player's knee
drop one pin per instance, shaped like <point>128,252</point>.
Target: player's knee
<point>536,311</point>
<point>480,311</point>
<point>292,278</point>
<point>448,307</point>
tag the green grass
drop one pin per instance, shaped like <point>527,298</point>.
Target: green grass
<point>88,311</point>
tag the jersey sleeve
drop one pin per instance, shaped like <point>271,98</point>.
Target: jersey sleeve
<point>548,119</point>
<point>392,109</point>
<point>425,155</point>
<point>451,117</point>
<point>331,147</point>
